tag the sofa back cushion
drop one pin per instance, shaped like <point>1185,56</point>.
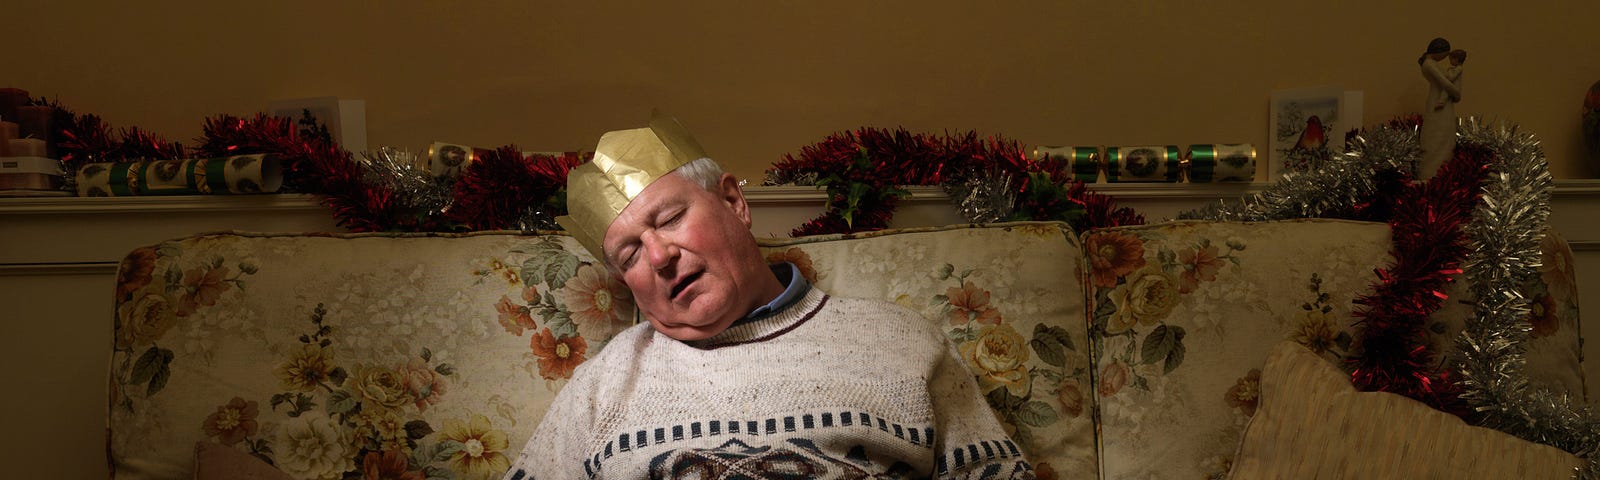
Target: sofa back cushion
<point>1009,297</point>
<point>321,354</point>
<point>1185,313</point>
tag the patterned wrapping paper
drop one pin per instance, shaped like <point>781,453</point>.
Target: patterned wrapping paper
<point>1212,162</point>
<point>240,174</point>
<point>1155,163</point>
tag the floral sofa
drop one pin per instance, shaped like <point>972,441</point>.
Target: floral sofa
<point>1133,352</point>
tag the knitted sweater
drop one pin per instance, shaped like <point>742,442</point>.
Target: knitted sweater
<point>827,388</point>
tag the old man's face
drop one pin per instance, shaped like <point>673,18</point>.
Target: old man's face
<point>688,256</point>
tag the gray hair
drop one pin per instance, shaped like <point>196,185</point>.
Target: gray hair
<point>703,171</point>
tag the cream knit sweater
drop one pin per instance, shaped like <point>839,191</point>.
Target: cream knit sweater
<point>826,388</point>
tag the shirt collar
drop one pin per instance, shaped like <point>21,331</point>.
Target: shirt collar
<point>795,287</point>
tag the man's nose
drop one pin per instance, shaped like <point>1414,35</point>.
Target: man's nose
<point>660,251</point>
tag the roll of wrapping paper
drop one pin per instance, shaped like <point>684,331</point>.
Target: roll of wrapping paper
<point>1085,161</point>
<point>1158,163</point>
<point>1234,162</point>
<point>260,173</point>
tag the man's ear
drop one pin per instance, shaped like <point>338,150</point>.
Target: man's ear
<point>733,195</point>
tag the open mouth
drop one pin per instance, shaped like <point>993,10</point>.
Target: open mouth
<point>684,284</point>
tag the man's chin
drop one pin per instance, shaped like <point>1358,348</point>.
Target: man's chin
<point>690,333</point>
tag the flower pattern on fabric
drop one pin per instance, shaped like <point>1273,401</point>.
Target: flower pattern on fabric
<point>481,451</point>
<point>1029,381</point>
<point>1112,255</point>
<point>599,304</point>
<point>313,446</point>
<point>1246,393</point>
<point>307,369</point>
<point>234,422</point>
<point>1145,299</point>
<point>388,465</point>
<point>999,356</point>
<point>154,292</point>
<point>558,357</point>
<point>516,318</point>
<point>1318,330</point>
<point>970,303</point>
<point>134,272</point>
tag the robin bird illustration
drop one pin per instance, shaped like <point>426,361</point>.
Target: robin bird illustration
<point>1311,138</point>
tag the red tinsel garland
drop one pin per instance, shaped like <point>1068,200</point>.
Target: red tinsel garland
<point>862,169</point>
<point>496,191</point>
<point>1425,220</point>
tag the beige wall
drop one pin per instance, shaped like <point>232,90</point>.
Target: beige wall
<point>757,79</point>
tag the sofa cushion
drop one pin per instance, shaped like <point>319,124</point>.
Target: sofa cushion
<point>1311,423</point>
<point>1009,297</point>
<point>1184,314</point>
<point>315,351</point>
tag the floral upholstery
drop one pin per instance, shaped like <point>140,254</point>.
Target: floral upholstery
<point>431,355</point>
<point>1133,354</point>
<point>1185,313</point>
<point>435,355</point>
<point>1007,295</point>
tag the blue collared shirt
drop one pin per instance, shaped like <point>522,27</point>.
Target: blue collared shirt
<point>795,286</point>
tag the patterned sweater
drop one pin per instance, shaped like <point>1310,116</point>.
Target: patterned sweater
<point>826,388</point>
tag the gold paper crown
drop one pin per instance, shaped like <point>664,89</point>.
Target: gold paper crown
<point>625,162</point>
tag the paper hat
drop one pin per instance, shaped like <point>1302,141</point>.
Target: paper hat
<point>625,162</point>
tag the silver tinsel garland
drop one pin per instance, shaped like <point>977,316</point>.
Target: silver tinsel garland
<point>1503,238</point>
<point>396,169</point>
<point>1336,185</point>
<point>984,196</point>
<point>1503,241</point>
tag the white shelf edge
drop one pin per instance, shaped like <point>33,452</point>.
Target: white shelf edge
<point>757,195</point>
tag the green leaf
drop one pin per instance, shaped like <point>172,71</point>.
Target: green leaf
<point>447,449</point>
<point>340,402</point>
<point>940,298</point>
<point>1036,414</point>
<point>1051,344</point>
<point>561,325</point>
<point>338,375</point>
<point>1176,357</point>
<point>445,369</point>
<point>416,429</point>
<point>998,400</point>
<point>146,366</point>
<point>561,269</point>
<point>427,355</point>
<point>278,399</point>
<point>163,373</point>
<point>1164,345</point>
<point>531,268</point>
